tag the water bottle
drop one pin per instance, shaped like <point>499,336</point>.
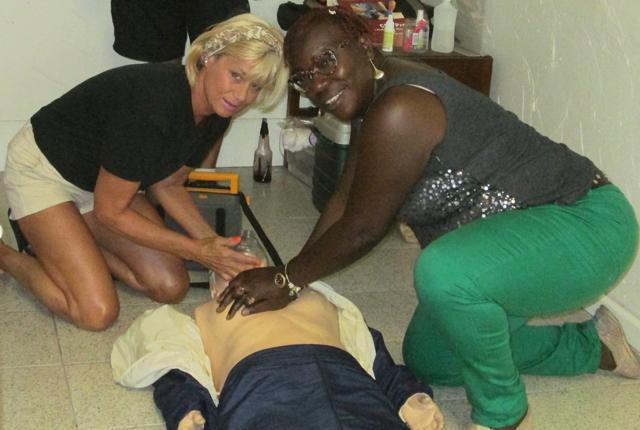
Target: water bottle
<point>444,27</point>
<point>249,245</point>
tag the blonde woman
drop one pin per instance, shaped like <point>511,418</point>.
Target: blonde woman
<point>74,172</point>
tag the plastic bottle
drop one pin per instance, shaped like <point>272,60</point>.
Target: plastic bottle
<point>423,32</point>
<point>388,34</point>
<point>249,245</point>
<point>444,27</point>
<point>416,34</point>
<point>409,28</point>
<point>263,156</point>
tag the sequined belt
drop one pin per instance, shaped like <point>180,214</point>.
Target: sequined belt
<point>599,180</point>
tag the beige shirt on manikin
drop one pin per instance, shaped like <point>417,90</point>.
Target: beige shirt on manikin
<point>207,349</point>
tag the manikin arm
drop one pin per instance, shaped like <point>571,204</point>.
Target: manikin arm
<point>184,403</point>
<point>412,398</point>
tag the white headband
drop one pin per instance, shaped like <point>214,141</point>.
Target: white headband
<point>240,34</point>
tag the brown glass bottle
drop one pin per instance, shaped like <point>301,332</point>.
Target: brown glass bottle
<point>263,156</point>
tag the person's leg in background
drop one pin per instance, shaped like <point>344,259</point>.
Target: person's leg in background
<point>477,286</point>
<point>202,14</point>
<point>149,30</point>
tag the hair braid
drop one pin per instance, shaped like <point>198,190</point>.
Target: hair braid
<point>351,24</point>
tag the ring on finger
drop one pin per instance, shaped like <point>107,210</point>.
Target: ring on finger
<point>251,300</point>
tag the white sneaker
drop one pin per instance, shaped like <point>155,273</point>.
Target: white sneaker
<point>611,334</point>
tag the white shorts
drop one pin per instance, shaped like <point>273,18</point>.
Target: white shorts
<point>32,184</point>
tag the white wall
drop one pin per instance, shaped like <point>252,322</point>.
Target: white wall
<point>567,67</point>
<point>48,47</point>
<point>571,69</point>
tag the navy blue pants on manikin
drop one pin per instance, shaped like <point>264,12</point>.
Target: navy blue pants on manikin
<point>296,387</point>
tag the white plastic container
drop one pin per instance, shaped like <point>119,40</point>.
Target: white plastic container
<point>416,34</point>
<point>444,27</point>
<point>334,129</point>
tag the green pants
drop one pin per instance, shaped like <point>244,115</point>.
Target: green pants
<point>479,285</point>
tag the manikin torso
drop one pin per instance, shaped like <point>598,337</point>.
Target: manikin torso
<point>312,319</point>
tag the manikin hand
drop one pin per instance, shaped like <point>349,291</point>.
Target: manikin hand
<point>421,413</point>
<point>192,421</point>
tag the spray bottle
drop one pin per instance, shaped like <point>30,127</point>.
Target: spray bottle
<point>263,156</point>
<point>388,34</point>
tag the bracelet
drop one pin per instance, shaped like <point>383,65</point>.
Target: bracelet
<point>282,279</point>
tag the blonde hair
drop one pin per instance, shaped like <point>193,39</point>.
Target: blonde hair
<point>247,38</point>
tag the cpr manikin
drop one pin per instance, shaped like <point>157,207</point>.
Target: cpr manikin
<point>216,348</point>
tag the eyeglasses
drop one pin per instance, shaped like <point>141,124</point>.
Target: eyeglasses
<point>324,64</point>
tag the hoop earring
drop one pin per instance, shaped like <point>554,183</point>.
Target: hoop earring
<point>377,73</point>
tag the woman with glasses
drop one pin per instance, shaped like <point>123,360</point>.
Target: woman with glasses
<point>512,224</point>
<point>74,172</point>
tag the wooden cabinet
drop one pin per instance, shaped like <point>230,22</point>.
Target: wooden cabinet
<point>473,71</point>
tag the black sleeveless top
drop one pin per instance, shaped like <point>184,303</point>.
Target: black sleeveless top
<point>488,162</point>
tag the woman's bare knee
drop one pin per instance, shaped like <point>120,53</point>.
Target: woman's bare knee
<point>96,316</point>
<point>167,289</point>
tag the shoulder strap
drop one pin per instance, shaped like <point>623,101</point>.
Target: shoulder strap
<point>271,250</point>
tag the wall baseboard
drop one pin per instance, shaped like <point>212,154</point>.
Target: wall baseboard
<point>630,323</point>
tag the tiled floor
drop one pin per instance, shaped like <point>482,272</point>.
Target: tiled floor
<point>56,377</point>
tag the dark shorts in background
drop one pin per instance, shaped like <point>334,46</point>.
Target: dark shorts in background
<point>156,30</point>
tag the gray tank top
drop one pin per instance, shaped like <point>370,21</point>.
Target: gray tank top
<point>488,162</point>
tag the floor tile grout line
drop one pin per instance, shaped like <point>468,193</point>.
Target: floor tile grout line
<point>31,366</point>
<point>569,389</point>
<point>74,412</point>
<point>62,364</point>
